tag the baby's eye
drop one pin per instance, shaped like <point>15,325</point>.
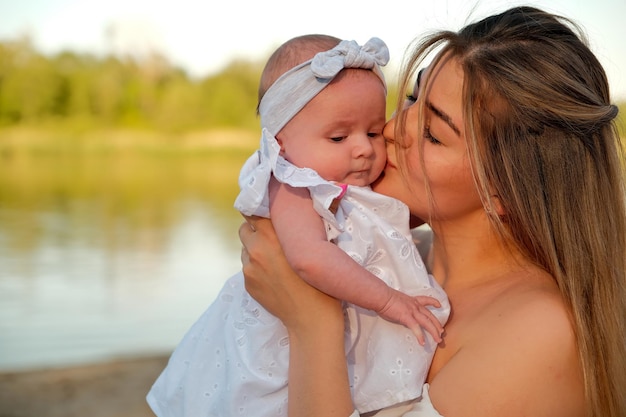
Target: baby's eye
<point>374,134</point>
<point>338,139</point>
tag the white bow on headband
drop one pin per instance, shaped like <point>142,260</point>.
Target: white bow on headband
<point>348,54</point>
<point>295,88</point>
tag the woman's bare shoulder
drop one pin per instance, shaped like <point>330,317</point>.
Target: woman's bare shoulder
<point>519,358</point>
<point>534,303</point>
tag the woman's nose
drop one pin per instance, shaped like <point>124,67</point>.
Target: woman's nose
<point>389,130</point>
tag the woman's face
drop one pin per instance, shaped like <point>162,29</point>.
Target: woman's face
<point>443,148</point>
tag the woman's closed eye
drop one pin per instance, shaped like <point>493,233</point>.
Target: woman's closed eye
<point>429,137</point>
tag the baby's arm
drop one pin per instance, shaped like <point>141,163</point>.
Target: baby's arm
<point>322,264</point>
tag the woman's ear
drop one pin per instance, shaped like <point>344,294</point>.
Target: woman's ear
<point>497,204</point>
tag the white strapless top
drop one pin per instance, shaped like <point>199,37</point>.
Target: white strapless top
<point>417,408</point>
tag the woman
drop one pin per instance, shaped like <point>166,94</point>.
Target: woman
<point>509,152</point>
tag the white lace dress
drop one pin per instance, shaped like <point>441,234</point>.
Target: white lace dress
<point>234,359</point>
<point>421,407</point>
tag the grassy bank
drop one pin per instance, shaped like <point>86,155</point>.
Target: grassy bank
<point>30,141</point>
<point>146,166</point>
<point>115,178</point>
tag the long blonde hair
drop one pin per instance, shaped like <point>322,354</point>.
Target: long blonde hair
<point>541,136</point>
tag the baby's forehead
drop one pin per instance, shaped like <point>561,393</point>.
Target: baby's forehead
<point>355,73</point>
<point>359,75</point>
<point>284,62</point>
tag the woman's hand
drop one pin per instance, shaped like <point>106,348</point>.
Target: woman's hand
<point>272,282</point>
<point>318,373</point>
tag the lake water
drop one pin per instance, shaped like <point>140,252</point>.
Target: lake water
<point>106,259</point>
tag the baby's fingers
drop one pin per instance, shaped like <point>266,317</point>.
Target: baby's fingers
<point>426,300</point>
<point>423,301</point>
<point>417,331</point>
<point>427,320</point>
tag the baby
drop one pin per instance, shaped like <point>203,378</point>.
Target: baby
<point>322,108</point>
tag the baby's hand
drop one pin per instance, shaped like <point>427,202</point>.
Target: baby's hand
<point>412,312</point>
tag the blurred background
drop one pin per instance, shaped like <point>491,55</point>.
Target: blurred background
<point>123,125</point>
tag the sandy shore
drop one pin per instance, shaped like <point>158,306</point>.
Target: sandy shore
<point>115,389</point>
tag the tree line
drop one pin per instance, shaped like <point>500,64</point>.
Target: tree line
<point>114,91</point>
<point>121,91</point>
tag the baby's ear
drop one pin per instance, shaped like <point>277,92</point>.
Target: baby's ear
<point>280,143</point>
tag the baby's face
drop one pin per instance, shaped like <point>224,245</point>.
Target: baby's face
<point>339,132</point>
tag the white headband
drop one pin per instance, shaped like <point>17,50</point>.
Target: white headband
<point>295,88</point>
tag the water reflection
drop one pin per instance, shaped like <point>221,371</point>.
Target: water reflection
<point>110,257</point>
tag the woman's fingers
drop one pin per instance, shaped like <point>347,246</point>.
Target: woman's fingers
<point>248,226</point>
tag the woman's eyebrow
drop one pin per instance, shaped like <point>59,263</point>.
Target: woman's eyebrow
<point>443,116</point>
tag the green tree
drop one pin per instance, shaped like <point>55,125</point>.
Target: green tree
<point>29,86</point>
<point>230,97</point>
<point>118,91</point>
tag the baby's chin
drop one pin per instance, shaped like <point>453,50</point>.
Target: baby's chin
<point>367,183</point>
<point>359,180</point>
<point>376,183</point>
<point>380,177</point>
<point>356,183</point>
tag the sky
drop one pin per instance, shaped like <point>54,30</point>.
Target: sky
<point>202,36</point>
